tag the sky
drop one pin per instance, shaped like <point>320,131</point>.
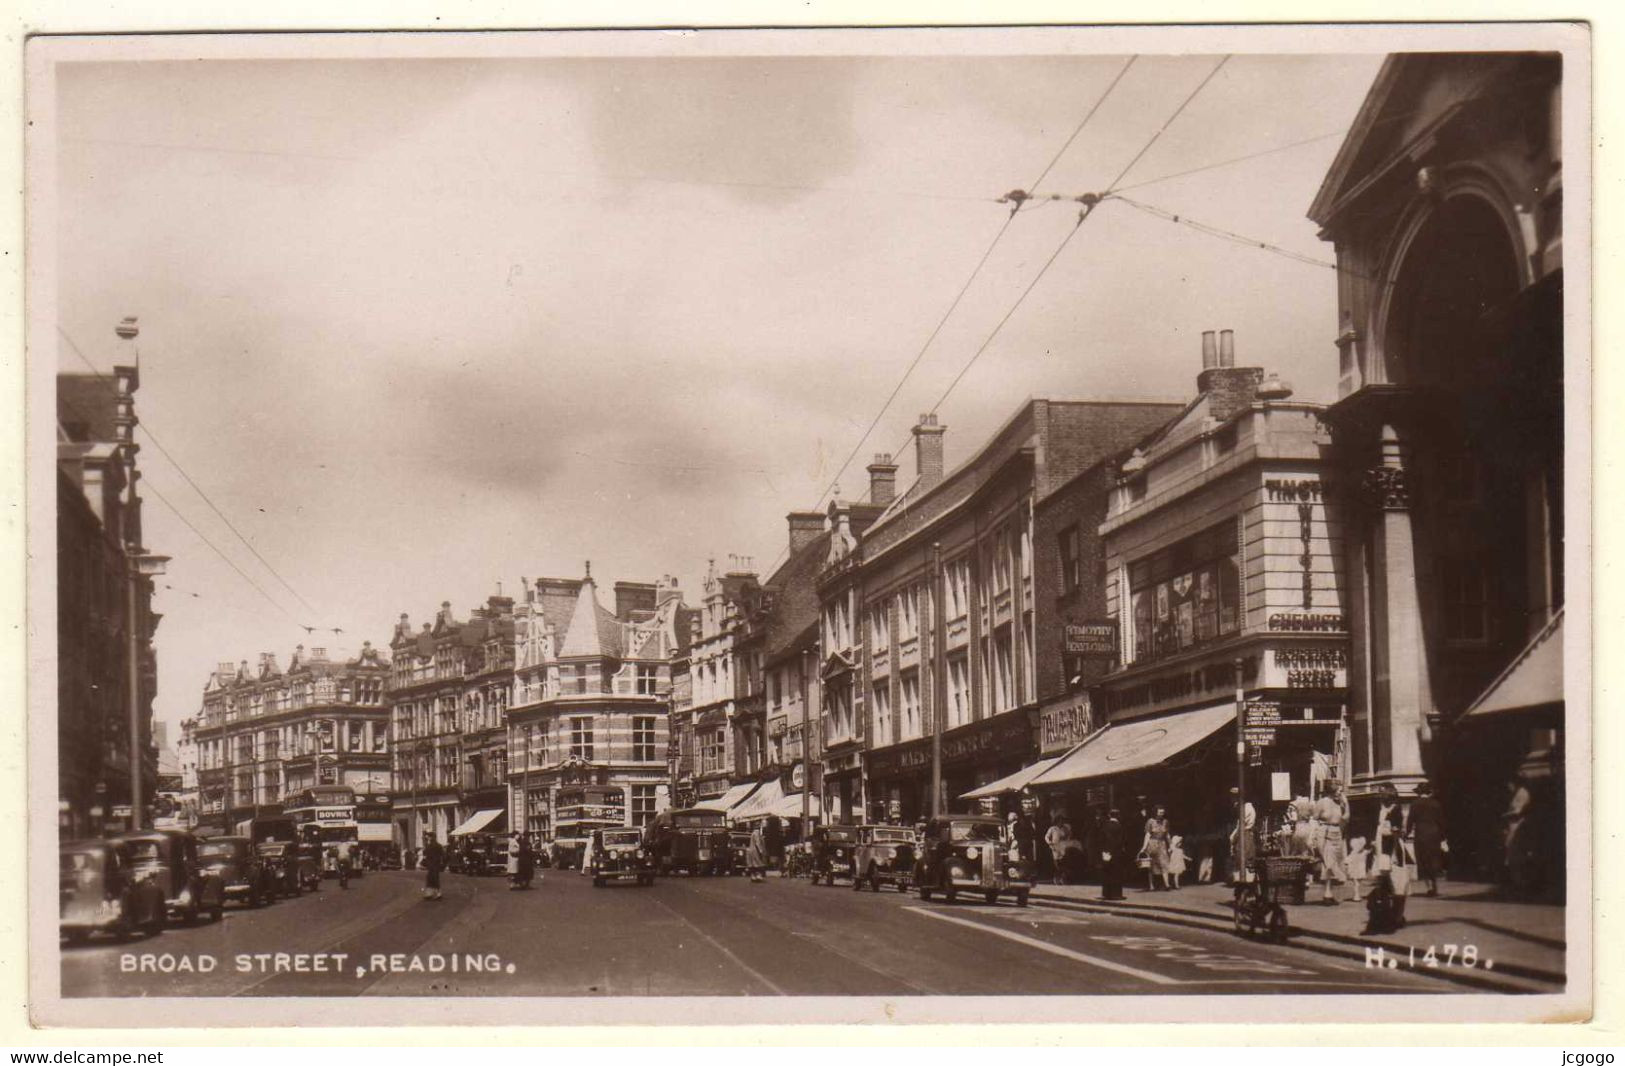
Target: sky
<point>421,328</point>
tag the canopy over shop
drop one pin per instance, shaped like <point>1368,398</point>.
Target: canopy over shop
<point>729,799</point>
<point>487,821</point>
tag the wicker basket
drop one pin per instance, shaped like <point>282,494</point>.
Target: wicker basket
<point>1283,877</point>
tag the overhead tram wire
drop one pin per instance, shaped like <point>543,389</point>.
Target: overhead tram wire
<point>1090,201</point>
<point>1233,237</point>
<point>147,432</point>
<point>963,289</point>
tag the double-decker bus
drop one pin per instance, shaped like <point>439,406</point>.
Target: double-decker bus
<point>375,827</point>
<point>580,809</point>
<point>323,813</point>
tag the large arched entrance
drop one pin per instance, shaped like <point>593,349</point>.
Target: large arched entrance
<point>1481,353</point>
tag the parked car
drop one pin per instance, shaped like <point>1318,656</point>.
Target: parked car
<point>620,855</point>
<point>101,893</point>
<point>239,867</point>
<point>834,848</point>
<point>280,860</point>
<point>169,857</point>
<point>885,856</point>
<point>566,853</point>
<point>738,848</point>
<point>692,840</point>
<point>968,853</point>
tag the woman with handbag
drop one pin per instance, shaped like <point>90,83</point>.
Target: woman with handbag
<point>1154,850</point>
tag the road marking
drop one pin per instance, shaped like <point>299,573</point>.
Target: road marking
<point>854,960</point>
<point>709,939</point>
<point>1053,949</point>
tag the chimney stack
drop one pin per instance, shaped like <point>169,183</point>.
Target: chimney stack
<point>805,526</point>
<point>928,451</point>
<point>633,596</point>
<point>1230,389</point>
<point>882,479</point>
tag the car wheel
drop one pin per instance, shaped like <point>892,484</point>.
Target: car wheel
<point>1021,898</point>
<point>950,894</point>
<point>194,914</point>
<point>925,893</point>
<point>154,927</point>
<point>992,897</point>
<point>218,912</point>
<point>874,881</point>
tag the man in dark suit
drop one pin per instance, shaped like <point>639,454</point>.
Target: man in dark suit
<point>1113,843</point>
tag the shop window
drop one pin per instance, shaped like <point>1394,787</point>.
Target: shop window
<point>1187,594</point>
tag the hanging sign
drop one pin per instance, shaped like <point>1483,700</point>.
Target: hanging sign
<point>1092,640</point>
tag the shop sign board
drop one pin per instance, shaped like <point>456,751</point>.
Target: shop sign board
<point>1065,722</point>
<point>1092,640</point>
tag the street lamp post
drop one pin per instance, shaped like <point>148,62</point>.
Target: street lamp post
<point>806,755</point>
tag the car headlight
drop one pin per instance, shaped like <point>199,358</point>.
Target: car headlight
<point>957,870</point>
<point>973,853</point>
<point>1014,872</point>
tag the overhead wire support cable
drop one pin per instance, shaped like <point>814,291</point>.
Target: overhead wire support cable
<point>1017,198</point>
<point>147,432</point>
<point>1089,201</point>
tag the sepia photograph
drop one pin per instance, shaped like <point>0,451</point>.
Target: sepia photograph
<point>844,525</point>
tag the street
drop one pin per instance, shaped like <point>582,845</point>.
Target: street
<point>699,936</point>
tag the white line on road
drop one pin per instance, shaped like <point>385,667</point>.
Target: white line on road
<point>1053,949</point>
<point>709,939</point>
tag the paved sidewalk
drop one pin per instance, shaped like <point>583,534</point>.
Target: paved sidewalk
<point>1521,942</point>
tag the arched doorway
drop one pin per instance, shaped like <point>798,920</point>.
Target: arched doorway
<point>1482,354</point>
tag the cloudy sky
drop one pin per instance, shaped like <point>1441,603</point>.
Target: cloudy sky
<point>421,326</point>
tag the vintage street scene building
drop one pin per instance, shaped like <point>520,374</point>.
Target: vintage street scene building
<point>588,724</point>
<point>1445,207</point>
<point>1240,670</point>
<point>106,667</point>
<point>264,733</point>
<point>449,686</point>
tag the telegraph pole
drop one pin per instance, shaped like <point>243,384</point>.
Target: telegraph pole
<point>806,754</point>
<point>1241,776</point>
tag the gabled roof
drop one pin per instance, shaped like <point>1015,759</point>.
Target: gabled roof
<point>85,407</point>
<point>592,632</point>
<point>795,597</point>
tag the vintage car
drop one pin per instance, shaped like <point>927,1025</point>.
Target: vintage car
<point>307,863</point>
<point>885,856</point>
<point>692,840</point>
<point>239,867</point>
<point>281,862</point>
<point>738,848</point>
<point>620,855</point>
<point>489,856</point>
<point>100,893</point>
<point>968,853</point>
<point>833,851</point>
<point>169,858</point>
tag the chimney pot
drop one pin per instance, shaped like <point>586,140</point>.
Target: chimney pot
<point>1210,350</point>
<point>1227,347</point>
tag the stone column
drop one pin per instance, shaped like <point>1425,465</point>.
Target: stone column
<point>1402,696</point>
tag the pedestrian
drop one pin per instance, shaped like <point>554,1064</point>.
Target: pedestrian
<point>773,838</point>
<point>1332,812</point>
<point>1243,845</point>
<point>1389,834</point>
<point>513,860</point>
<point>1426,830</point>
<point>1154,847</point>
<point>1304,829</point>
<point>1112,859</point>
<point>341,861</point>
<point>434,859</point>
<point>1176,860</point>
<point>756,854</point>
<point>525,868</point>
<point>1058,837</point>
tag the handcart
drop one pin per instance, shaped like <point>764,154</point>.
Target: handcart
<point>1273,880</point>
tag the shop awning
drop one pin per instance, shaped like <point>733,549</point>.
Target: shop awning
<point>479,822</point>
<point>1534,679</point>
<point>1128,746</point>
<point>787,807</point>
<point>761,802</point>
<point>729,799</point>
<point>375,832</point>
<point>1013,782</point>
